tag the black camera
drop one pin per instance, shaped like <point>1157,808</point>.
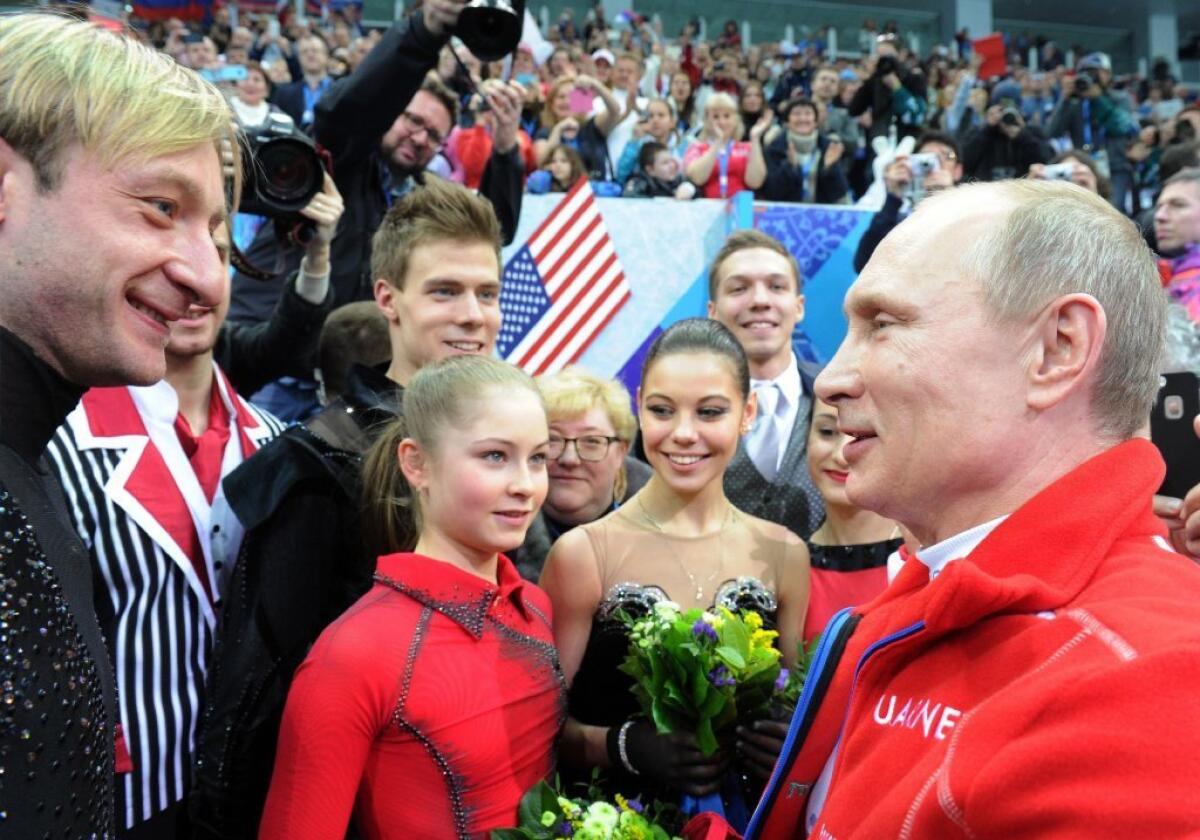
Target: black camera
<point>886,64</point>
<point>1083,83</point>
<point>1010,116</point>
<point>491,29</point>
<point>282,170</point>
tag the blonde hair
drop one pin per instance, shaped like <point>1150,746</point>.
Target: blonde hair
<point>574,391</point>
<point>65,82</point>
<point>440,394</point>
<point>724,102</point>
<point>438,211</point>
<point>1061,239</point>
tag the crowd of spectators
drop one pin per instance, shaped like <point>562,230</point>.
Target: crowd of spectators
<point>641,112</point>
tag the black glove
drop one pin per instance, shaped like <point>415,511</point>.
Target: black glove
<point>673,760</point>
<point>759,746</point>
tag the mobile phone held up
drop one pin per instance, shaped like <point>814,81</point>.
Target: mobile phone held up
<point>1172,432</point>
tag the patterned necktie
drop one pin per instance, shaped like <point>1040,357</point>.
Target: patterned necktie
<point>763,444</point>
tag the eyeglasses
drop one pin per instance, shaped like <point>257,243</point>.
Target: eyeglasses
<point>417,124</point>
<point>588,447</point>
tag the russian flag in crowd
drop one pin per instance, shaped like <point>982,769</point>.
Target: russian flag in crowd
<point>561,288</point>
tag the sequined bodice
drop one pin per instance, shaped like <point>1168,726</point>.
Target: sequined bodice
<point>600,693</point>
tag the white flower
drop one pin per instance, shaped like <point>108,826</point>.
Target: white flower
<point>667,610</point>
<point>602,814</point>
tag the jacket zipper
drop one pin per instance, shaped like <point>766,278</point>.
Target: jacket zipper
<point>820,663</point>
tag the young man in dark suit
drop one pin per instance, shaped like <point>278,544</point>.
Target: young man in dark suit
<point>754,290</point>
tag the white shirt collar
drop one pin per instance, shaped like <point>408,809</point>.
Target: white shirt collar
<point>788,381</point>
<point>956,547</point>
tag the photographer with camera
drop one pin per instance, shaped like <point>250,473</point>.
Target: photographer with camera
<point>935,165</point>
<point>1005,147</point>
<point>892,93</point>
<point>381,126</point>
<point>1099,120</point>
<point>1076,167</point>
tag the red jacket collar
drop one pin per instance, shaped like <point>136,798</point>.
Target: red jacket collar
<point>1043,555</point>
<point>459,595</point>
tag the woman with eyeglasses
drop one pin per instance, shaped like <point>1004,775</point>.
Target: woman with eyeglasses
<point>588,462</point>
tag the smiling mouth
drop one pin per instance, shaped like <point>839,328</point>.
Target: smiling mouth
<point>152,314</point>
<point>760,325</point>
<point>685,460</point>
<point>466,346</point>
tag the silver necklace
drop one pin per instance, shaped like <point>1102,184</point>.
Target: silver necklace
<point>698,585</point>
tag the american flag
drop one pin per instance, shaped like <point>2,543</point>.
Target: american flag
<point>562,288</point>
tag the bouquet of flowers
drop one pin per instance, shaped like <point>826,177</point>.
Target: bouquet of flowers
<point>791,682</point>
<point>545,814</point>
<point>700,671</point>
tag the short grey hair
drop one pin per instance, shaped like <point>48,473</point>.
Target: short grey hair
<point>1060,239</point>
<point>1187,175</point>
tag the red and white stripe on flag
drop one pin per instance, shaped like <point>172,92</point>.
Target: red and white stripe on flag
<point>583,279</point>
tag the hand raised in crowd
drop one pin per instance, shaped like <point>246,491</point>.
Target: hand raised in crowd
<point>992,117</point>
<point>585,82</point>
<point>892,81</point>
<point>833,152</point>
<point>325,209</point>
<point>674,760</point>
<point>639,127</point>
<point>441,16</point>
<point>759,746</point>
<point>897,177</point>
<point>505,100</point>
<point>761,125</point>
<point>567,127</point>
<point>938,179</point>
<point>1182,516</point>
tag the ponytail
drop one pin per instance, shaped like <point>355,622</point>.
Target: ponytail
<point>391,517</point>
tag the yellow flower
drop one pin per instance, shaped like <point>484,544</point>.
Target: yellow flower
<point>763,639</point>
<point>753,620</point>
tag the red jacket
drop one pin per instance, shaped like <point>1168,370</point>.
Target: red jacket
<point>1046,686</point>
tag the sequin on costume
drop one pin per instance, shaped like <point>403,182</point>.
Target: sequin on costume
<point>48,694</point>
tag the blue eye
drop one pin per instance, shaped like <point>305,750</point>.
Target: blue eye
<point>165,206</point>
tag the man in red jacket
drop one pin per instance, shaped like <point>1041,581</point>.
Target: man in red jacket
<point>1033,669</point>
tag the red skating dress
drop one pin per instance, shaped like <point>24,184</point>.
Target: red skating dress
<point>426,710</point>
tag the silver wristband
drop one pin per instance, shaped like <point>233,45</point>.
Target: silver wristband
<point>622,751</point>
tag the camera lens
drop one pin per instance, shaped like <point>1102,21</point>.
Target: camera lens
<point>491,29</point>
<point>289,171</point>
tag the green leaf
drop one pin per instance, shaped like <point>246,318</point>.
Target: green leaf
<point>736,635</point>
<point>509,834</point>
<point>705,737</point>
<point>536,801</point>
<point>731,656</point>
